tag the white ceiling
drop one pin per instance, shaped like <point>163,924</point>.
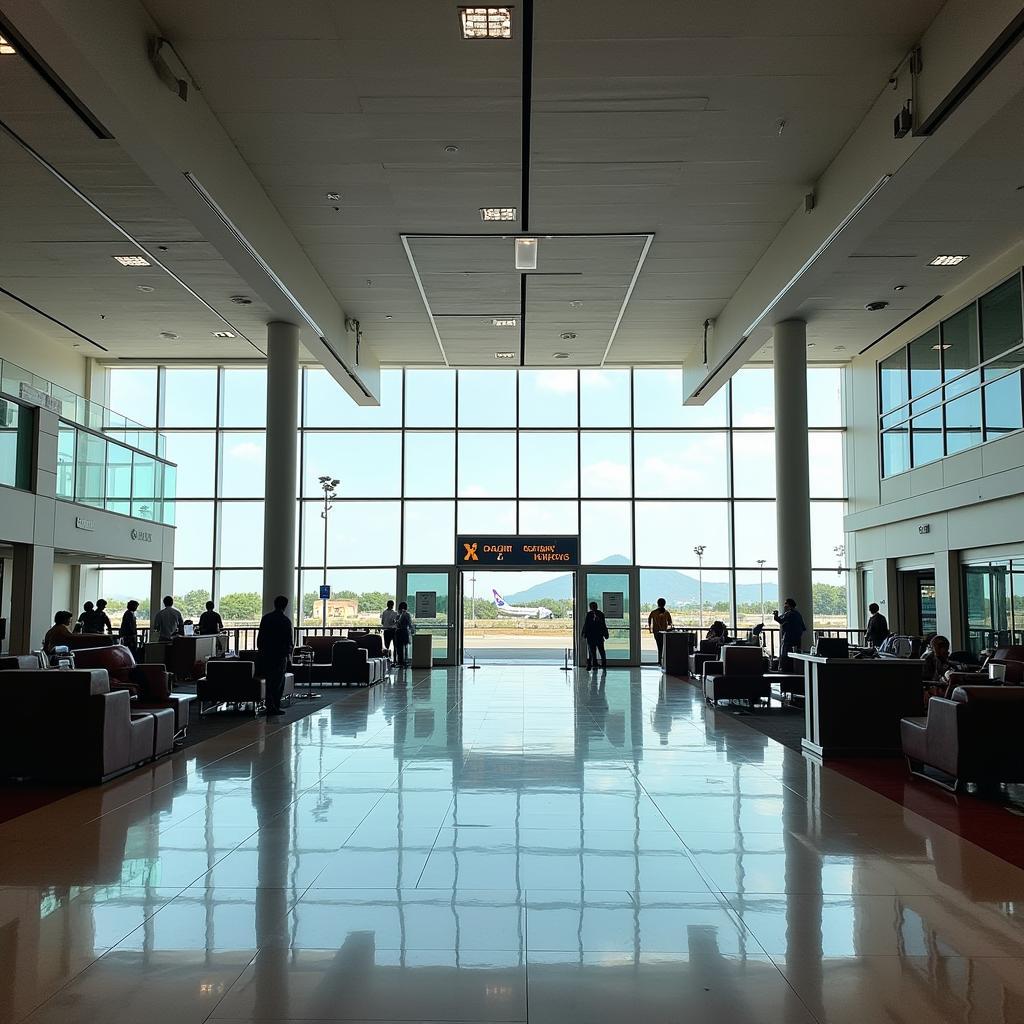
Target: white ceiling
<point>658,117</point>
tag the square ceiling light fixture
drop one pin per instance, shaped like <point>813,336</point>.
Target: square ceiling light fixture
<point>132,261</point>
<point>485,22</point>
<point>946,261</point>
<point>492,213</point>
<point>526,254</point>
<point>5,46</point>
<point>504,355</point>
<point>504,321</point>
<point>223,334</point>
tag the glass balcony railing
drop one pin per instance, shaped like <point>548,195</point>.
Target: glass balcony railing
<point>15,446</point>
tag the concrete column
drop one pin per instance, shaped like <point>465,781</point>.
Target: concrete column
<point>31,597</point>
<point>792,485</point>
<point>949,620</point>
<point>282,446</point>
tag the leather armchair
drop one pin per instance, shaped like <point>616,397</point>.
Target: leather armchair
<point>70,727</point>
<point>373,644</point>
<point>707,650</point>
<point>974,736</point>
<point>322,648</point>
<point>230,681</point>
<point>352,664</point>
<point>289,677</point>
<point>742,676</point>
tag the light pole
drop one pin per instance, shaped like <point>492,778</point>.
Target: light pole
<point>699,552</point>
<point>472,606</point>
<point>760,568</point>
<point>839,551</point>
<point>329,485</point>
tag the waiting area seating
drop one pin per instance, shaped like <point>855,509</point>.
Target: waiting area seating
<point>354,663</point>
<point>236,681</point>
<point>743,673</point>
<point>70,726</point>
<point>973,736</point>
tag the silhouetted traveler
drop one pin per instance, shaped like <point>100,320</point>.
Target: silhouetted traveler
<point>130,629</point>
<point>595,632</point>
<point>210,622</point>
<point>167,622</point>
<point>404,629</point>
<point>658,621</point>
<point>87,610</point>
<point>877,628</point>
<point>57,635</point>
<point>388,619</point>
<point>791,625</point>
<point>274,643</point>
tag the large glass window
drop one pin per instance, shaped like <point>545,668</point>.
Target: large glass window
<point>195,454</point>
<point>189,398</point>
<point>680,465</point>
<point>487,398</point>
<point>548,466</point>
<point>487,465</point>
<point>430,398</point>
<point>893,380</point>
<point>244,398</point>
<point>925,369</point>
<point>1003,407</point>
<point>547,398</point>
<point>1000,315</point>
<point>605,398</point>
<point>132,392</point>
<point>668,531</point>
<point>327,405</point>
<point>605,464</point>
<point>658,397</point>
<point>429,464</point>
<point>243,464</point>
<point>960,351</point>
<point>368,464</point>
<point>753,398</point>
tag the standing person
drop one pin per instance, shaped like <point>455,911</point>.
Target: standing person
<point>791,624</point>
<point>87,611</point>
<point>658,621</point>
<point>210,622</point>
<point>595,632</point>
<point>274,642</point>
<point>388,619</point>
<point>57,635</point>
<point>167,622</point>
<point>94,619</point>
<point>404,629</point>
<point>877,629</point>
<point>130,629</point>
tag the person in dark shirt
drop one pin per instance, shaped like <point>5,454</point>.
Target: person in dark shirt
<point>130,629</point>
<point>87,610</point>
<point>791,624</point>
<point>94,619</point>
<point>274,642</point>
<point>210,622</point>
<point>877,628</point>
<point>595,632</point>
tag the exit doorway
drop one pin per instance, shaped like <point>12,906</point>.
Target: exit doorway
<point>514,616</point>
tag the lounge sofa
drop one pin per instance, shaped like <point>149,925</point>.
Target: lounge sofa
<point>974,736</point>
<point>707,650</point>
<point>69,726</point>
<point>323,667</point>
<point>236,681</point>
<point>353,665</point>
<point>742,676</point>
<point>1011,658</point>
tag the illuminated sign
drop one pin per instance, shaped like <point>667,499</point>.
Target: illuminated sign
<point>479,550</point>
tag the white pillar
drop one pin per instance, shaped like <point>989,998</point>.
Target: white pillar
<point>282,443</point>
<point>792,483</point>
<point>31,597</point>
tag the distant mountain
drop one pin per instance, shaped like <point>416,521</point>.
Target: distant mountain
<point>676,587</point>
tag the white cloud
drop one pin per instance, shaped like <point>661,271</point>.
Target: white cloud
<point>246,451</point>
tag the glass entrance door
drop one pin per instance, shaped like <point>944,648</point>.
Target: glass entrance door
<point>615,592</point>
<point>434,590</point>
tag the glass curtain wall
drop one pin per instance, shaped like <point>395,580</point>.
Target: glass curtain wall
<point>994,603</point>
<point>611,454</point>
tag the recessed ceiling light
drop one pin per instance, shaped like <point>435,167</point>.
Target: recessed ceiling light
<point>491,213</point>
<point>5,46</point>
<point>504,355</point>
<point>526,254</point>
<point>899,287</point>
<point>169,335</point>
<point>568,336</point>
<point>145,288</point>
<point>241,300</point>
<point>504,321</point>
<point>223,334</point>
<point>451,148</point>
<point>941,348</point>
<point>874,307</point>
<point>334,197</point>
<point>576,304</point>
<point>485,22</point>
<point>132,261</point>
<point>946,261</point>
<point>561,355</point>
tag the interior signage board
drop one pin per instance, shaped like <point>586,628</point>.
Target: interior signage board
<point>612,604</point>
<point>426,604</point>
<point>512,551</point>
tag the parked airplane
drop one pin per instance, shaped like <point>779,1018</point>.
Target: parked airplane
<point>520,613</point>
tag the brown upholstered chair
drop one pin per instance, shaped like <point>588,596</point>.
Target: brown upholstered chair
<point>742,676</point>
<point>352,664</point>
<point>707,650</point>
<point>972,737</point>
<point>230,681</point>
<point>79,641</point>
<point>323,668</point>
<point>373,644</point>
<point>70,727</point>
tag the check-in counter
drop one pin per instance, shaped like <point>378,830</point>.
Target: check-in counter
<point>187,652</point>
<point>677,646</point>
<point>853,706</point>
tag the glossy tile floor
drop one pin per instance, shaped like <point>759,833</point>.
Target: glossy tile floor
<point>504,845</point>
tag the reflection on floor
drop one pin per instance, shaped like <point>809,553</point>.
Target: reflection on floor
<point>512,844</point>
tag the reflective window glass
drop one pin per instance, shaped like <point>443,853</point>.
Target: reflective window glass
<point>894,386</point>
<point>195,455</point>
<point>239,596</point>
<point>191,590</point>
<point>66,436</point>
<point>605,464</point>
<point>367,464</point>
<point>551,517</point>
<point>757,596</point>
<point>924,354</point>
<point>359,533</point>
<point>487,398</point>
<point>548,465</point>
<point>240,533</point>
<point>606,532</point>
<point>896,451</point>
<point>753,397</point>
<point>826,532</point>
<point>658,402</point>
<point>487,517</point>
<point>963,423</point>
<point>604,398</point>
<point>547,398</point>
<point>144,488</point>
<point>487,465</point>
<point>243,464</point>
<point>90,473</point>
<point>326,404</point>
<point>755,533</point>
<point>753,464</point>
<point>668,531</point>
<point>119,479</point>
<point>371,588</point>
<point>132,392</point>
<point>825,458</point>
<point>1001,325</point>
<point>193,535</point>
<point>189,398</point>
<point>926,437</point>
<point>680,465</point>
<point>430,398</point>
<point>429,532</point>
<point>960,351</point>
<point>1003,406</point>
<point>824,396</point>
<point>831,599</point>
<point>244,397</point>
<point>429,464</point>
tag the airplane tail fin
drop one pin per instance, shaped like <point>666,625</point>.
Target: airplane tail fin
<point>498,599</point>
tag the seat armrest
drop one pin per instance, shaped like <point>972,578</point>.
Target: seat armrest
<point>943,729</point>
<point>153,681</point>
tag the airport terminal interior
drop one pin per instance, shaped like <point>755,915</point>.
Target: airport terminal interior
<point>511,513</point>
